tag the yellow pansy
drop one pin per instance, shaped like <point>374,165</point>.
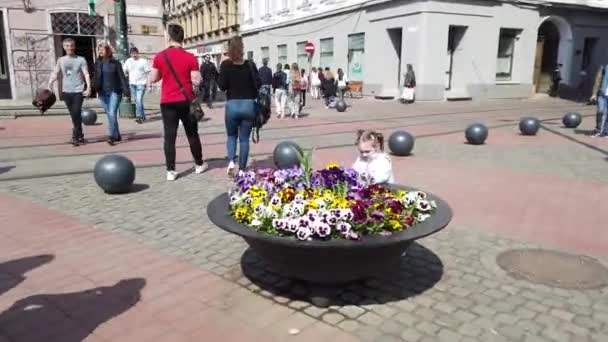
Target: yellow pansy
<point>241,214</point>
<point>332,165</point>
<point>395,225</point>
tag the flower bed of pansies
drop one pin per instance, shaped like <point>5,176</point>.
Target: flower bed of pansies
<point>332,203</point>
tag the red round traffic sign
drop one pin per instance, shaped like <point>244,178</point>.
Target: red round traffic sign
<point>310,47</point>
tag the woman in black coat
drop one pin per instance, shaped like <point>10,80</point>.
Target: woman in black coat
<point>111,85</point>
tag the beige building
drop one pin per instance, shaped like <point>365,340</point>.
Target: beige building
<point>31,33</point>
<point>208,24</point>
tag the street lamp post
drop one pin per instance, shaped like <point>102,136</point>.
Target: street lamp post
<point>122,43</point>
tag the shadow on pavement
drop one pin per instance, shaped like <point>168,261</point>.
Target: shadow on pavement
<point>419,271</point>
<point>69,317</point>
<point>567,137</point>
<point>4,169</point>
<point>12,273</point>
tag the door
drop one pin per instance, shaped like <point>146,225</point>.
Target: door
<point>454,54</point>
<point>396,36</point>
<point>538,62</point>
<point>5,82</point>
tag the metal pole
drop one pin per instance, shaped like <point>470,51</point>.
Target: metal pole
<point>120,25</point>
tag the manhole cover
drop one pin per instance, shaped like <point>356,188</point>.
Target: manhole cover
<point>554,269</point>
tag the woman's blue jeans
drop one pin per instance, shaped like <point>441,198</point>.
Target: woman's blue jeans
<point>110,101</point>
<point>239,118</point>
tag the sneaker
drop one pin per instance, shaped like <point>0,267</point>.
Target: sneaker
<point>232,171</point>
<point>198,169</point>
<point>75,142</point>
<point>172,175</point>
<point>139,120</point>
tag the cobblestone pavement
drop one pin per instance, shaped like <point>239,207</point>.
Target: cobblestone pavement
<point>448,287</point>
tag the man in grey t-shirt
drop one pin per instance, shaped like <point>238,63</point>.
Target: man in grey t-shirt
<point>74,74</point>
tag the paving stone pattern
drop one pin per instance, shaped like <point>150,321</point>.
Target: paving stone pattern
<point>448,287</point>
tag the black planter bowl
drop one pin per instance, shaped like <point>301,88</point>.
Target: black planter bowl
<point>335,260</point>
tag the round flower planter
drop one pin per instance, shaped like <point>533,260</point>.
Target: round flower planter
<point>335,260</point>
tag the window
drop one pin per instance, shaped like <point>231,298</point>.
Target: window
<point>265,53</point>
<point>356,50</point>
<point>506,49</point>
<point>250,55</point>
<point>282,53</point>
<point>250,9</point>
<point>302,55</point>
<point>327,53</point>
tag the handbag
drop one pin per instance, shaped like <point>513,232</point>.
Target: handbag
<point>195,104</point>
<point>262,106</point>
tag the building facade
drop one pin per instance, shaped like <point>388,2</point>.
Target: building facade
<point>208,24</point>
<point>459,49</point>
<point>31,36</point>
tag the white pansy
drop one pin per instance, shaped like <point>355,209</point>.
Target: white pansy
<point>422,217</point>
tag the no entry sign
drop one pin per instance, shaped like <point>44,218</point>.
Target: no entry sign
<point>310,47</point>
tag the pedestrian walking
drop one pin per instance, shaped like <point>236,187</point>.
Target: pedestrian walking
<point>137,68</point>
<point>342,83</point>
<point>241,81</point>
<point>328,87</point>
<point>111,84</point>
<point>75,85</point>
<point>601,93</point>
<point>209,85</point>
<point>303,88</point>
<point>178,70</point>
<point>315,84</point>
<point>279,87</point>
<point>266,76</point>
<point>295,91</point>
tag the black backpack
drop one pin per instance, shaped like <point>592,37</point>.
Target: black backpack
<point>262,110</point>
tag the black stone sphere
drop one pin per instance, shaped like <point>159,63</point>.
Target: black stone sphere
<point>340,105</point>
<point>287,154</point>
<point>529,126</point>
<point>89,116</point>
<point>401,143</point>
<point>114,174</point>
<point>476,134</point>
<point>572,120</point>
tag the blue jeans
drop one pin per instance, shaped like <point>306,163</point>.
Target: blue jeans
<point>110,101</point>
<point>138,91</point>
<point>239,118</point>
<point>602,108</point>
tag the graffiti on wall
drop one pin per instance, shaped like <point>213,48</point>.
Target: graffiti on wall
<point>32,59</point>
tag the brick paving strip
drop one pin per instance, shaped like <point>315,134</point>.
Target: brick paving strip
<point>61,280</point>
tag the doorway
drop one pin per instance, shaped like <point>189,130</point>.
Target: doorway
<point>547,50</point>
<point>85,47</point>
<point>5,81</point>
<point>454,56</point>
<point>396,36</point>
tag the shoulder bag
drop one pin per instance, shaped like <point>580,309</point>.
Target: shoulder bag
<point>195,104</point>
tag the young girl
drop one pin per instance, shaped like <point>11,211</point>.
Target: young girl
<point>372,161</point>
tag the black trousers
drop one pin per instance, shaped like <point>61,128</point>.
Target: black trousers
<point>209,89</point>
<point>172,113</point>
<point>74,103</point>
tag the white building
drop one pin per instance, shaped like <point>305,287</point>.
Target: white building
<point>475,49</point>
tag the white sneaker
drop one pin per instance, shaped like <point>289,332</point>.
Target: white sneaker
<point>172,175</point>
<point>198,169</point>
<point>231,169</point>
